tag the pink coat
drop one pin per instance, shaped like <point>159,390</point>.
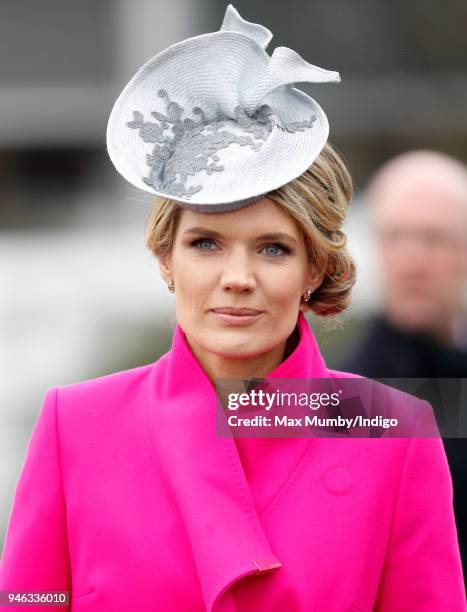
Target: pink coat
<point>130,501</point>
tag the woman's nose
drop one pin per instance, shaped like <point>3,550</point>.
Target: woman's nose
<point>238,274</point>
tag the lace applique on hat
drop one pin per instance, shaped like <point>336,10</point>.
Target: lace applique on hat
<point>185,147</point>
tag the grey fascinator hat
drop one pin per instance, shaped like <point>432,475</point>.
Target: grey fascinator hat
<point>214,122</point>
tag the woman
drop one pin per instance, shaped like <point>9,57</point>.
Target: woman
<point>130,501</point>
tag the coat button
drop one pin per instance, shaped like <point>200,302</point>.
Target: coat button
<point>338,480</point>
<point>268,564</point>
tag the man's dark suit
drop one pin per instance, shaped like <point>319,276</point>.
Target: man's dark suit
<point>413,355</point>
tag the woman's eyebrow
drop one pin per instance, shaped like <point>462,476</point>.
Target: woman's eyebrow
<point>268,236</point>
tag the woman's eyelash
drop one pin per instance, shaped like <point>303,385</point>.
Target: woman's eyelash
<point>284,248</point>
<point>198,240</point>
<point>281,246</point>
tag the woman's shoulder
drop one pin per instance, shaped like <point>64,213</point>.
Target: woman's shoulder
<point>384,389</point>
<point>106,382</point>
<point>106,395</point>
<point>414,415</point>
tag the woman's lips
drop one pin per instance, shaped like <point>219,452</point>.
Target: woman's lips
<point>236,319</point>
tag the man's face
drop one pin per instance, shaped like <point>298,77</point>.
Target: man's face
<point>422,244</point>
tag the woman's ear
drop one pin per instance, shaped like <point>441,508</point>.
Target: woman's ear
<point>314,279</point>
<point>164,268</point>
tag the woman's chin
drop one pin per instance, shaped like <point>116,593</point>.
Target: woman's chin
<point>235,349</point>
<point>235,353</point>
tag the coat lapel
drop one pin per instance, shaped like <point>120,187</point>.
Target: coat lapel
<point>204,472</point>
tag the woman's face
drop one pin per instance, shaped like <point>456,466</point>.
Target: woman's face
<point>252,258</point>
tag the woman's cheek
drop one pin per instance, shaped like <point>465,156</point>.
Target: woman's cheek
<point>284,288</point>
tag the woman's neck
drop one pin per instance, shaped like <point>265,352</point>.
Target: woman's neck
<point>217,367</point>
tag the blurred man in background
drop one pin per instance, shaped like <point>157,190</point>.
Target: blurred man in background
<point>418,208</point>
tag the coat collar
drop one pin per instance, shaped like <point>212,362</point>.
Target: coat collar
<point>204,472</point>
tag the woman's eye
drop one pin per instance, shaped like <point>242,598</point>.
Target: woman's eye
<point>201,241</point>
<point>274,247</point>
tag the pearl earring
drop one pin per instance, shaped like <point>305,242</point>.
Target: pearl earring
<point>171,286</point>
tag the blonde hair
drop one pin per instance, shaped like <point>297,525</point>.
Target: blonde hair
<point>318,202</point>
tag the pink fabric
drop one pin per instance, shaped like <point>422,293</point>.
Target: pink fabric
<point>129,500</point>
